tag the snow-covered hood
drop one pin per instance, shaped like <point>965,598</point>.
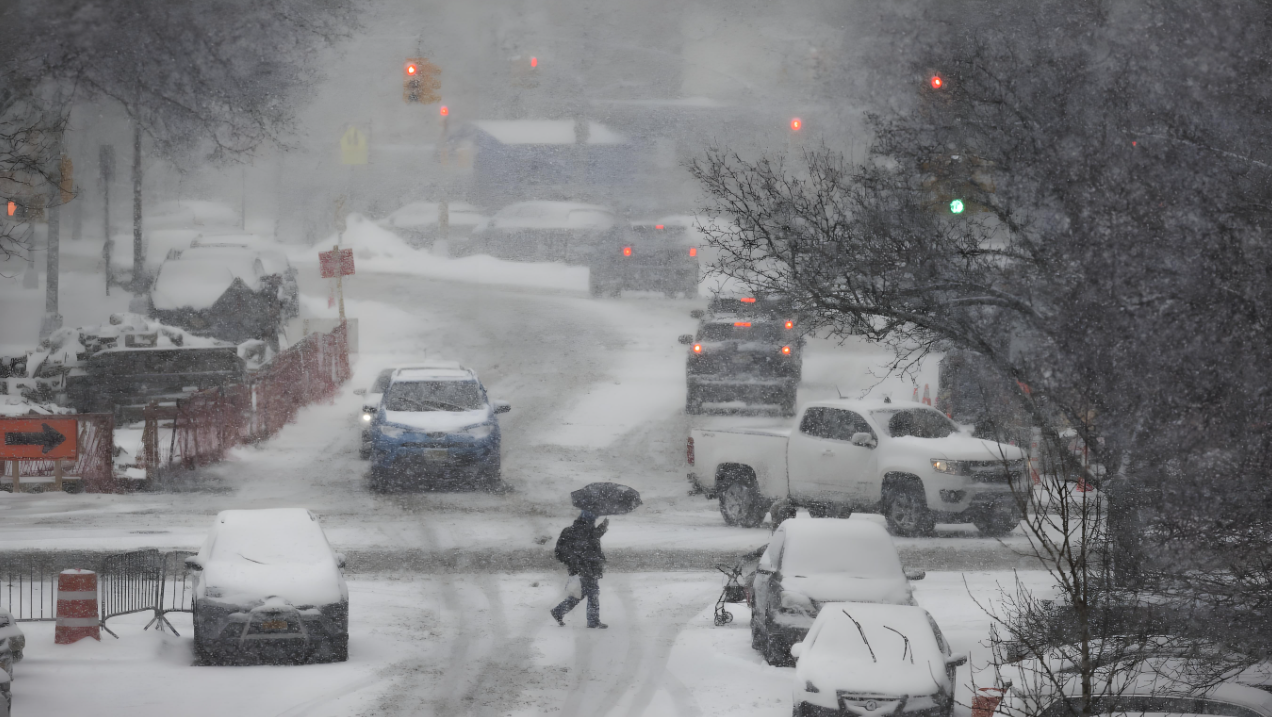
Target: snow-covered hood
<point>960,447</point>
<point>889,676</point>
<point>839,587</point>
<point>246,584</point>
<point>438,421</point>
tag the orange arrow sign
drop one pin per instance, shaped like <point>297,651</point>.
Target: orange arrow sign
<point>43,438</point>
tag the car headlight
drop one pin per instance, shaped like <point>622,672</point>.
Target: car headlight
<point>366,417</point>
<point>479,432</point>
<point>958,468</point>
<point>798,603</point>
<point>392,431</point>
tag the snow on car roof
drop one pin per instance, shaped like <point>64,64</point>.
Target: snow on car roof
<point>821,545</point>
<point>190,284</point>
<point>439,373</point>
<point>270,535</point>
<point>872,404</point>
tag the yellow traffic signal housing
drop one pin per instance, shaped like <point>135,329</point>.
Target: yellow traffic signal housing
<point>420,81</point>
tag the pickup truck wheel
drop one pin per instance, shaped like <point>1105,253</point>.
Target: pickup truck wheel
<point>777,652</point>
<point>782,511</point>
<point>739,505</point>
<point>905,507</point>
<point>996,521</point>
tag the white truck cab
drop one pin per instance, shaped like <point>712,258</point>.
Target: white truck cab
<point>905,460</point>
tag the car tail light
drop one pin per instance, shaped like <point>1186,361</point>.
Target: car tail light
<point>658,226</point>
<point>693,251</point>
<point>786,350</point>
<point>627,251</point>
<point>697,348</point>
<point>744,324</point>
<point>790,324</point>
<point>689,450</point>
<point>748,300</point>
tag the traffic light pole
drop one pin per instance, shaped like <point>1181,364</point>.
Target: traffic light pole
<point>339,276</point>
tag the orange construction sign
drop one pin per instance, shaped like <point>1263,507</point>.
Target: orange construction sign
<point>42,438</point>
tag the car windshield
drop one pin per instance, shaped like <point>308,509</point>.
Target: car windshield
<point>271,541</point>
<point>916,422</point>
<point>382,381</point>
<point>433,396</point>
<point>873,642</point>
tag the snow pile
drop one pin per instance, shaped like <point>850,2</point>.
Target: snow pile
<point>17,406</point>
<point>377,249</point>
<point>66,347</point>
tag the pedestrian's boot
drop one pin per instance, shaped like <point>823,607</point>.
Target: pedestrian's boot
<point>600,625</point>
<point>556,617</point>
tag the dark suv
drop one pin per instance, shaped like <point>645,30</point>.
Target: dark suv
<point>645,257</point>
<point>747,350</point>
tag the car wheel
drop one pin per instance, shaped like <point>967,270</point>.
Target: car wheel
<point>996,521</point>
<point>906,510</point>
<point>788,404</point>
<point>740,505</point>
<point>379,481</point>
<point>594,285</point>
<point>489,478</point>
<point>364,452</point>
<point>781,511</point>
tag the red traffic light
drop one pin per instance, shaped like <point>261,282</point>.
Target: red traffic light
<point>627,251</point>
<point>693,251</point>
<point>936,82</point>
<point>796,124</point>
<point>411,69</point>
<point>534,62</point>
<point>444,110</point>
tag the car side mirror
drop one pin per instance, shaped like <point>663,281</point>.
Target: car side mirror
<point>193,563</point>
<point>359,392</point>
<point>797,649</point>
<point>685,339</point>
<point>915,574</point>
<point>697,313</point>
<point>501,406</point>
<point>863,439</point>
<point>340,559</point>
<point>956,660</point>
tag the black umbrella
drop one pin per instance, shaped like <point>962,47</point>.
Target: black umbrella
<point>606,498</point>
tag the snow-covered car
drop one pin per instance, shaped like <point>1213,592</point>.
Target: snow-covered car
<point>540,231</point>
<point>224,294</point>
<point>7,658</point>
<point>436,422</point>
<point>9,631</point>
<point>1147,688</point>
<point>863,659</point>
<point>907,461</point>
<point>813,561</point>
<point>645,256</point>
<point>6,695</point>
<point>419,223</point>
<point>268,588</point>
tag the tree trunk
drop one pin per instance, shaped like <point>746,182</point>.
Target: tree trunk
<point>140,281</point>
<point>52,319</point>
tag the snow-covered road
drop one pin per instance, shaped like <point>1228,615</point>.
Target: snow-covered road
<point>473,644</point>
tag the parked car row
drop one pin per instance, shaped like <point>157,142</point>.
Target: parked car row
<point>428,423</point>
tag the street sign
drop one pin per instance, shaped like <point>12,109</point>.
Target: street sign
<point>328,262</point>
<point>353,147</point>
<point>43,438</point>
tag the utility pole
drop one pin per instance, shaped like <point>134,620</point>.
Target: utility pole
<point>139,258</point>
<point>52,319</point>
<point>107,160</point>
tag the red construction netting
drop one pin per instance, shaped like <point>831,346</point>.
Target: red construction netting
<point>200,429</point>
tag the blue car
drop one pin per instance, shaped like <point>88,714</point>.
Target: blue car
<point>435,424</point>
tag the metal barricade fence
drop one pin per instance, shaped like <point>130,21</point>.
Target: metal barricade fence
<point>28,589</point>
<point>130,582</point>
<point>133,582</point>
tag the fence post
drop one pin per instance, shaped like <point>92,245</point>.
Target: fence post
<point>57,475</point>
<point>17,476</point>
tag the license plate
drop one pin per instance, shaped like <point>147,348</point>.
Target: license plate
<point>436,454</point>
<point>274,625</point>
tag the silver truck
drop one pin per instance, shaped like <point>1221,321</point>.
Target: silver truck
<point>907,461</point>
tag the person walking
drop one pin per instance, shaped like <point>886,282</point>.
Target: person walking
<point>579,547</point>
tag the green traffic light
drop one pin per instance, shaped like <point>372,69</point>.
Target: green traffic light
<point>956,206</point>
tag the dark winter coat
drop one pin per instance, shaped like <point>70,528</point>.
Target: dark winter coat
<point>579,547</point>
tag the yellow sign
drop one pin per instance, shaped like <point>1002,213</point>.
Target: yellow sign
<point>353,147</point>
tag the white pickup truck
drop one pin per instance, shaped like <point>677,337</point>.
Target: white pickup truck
<point>907,461</point>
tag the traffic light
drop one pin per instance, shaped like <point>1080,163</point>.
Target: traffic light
<point>420,82</point>
<point>936,82</point>
<point>534,62</point>
<point>796,124</point>
<point>956,206</point>
<point>444,111</point>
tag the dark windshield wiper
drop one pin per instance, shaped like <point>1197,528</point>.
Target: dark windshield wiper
<point>863,636</point>
<point>250,560</point>
<point>907,645</point>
